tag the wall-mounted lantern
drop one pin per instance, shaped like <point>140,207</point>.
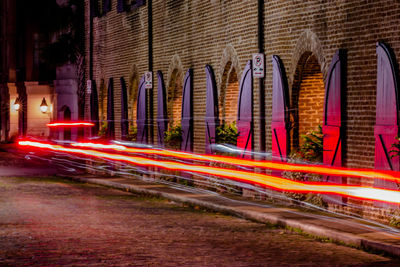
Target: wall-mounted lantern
<point>43,106</point>
<point>17,104</point>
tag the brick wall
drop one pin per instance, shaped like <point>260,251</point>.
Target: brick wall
<point>307,99</point>
<point>191,34</point>
<point>228,95</point>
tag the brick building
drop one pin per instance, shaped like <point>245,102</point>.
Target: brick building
<point>127,38</point>
<point>304,34</point>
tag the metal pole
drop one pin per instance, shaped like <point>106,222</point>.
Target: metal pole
<point>261,85</point>
<point>150,54</point>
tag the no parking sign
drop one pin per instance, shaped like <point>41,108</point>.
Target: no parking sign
<point>148,80</point>
<point>258,65</point>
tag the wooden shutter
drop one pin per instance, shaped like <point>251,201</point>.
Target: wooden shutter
<point>124,110</point>
<point>187,112</point>
<point>387,114</point>
<point>110,110</point>
<point>332,121</point>
<point>245,110</point>
<point>280,111</point>
<point>212,118</point>
<point>94,109</point>
<point>141,113</point>
<point>162,120</point>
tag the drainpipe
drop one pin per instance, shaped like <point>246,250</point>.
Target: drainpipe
<point>261,85</point>
<point>91,11</point>
<point>150,60</point>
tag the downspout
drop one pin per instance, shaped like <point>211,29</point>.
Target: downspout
<point>94,130</point>
<point>91,39</point>
<point>261,84</point>
<point>150,60</point>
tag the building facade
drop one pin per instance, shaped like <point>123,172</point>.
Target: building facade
<point>308,40</point>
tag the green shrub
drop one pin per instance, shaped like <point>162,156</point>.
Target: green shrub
<point>173,137</point>
<point>227,134</point>
<point>132,135</point>
<point>395,151</point>
<point>311,149</point>
<point>103,130</point>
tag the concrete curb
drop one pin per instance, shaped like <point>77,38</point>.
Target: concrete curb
<point>315,230</point>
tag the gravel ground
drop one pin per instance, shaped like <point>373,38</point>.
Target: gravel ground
<point>53,222</point>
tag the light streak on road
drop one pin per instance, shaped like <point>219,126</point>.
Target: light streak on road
<point>305,168</point>
<point>269,181</point>
<point>70,124</point>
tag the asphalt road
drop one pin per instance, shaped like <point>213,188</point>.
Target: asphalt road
<point>53,222</point>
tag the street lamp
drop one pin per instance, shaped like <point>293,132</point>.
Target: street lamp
<point>43,106</point>
<point>17,103</point>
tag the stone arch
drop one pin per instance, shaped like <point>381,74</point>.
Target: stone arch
<point>66,116</point>
<point>228,82</point>
<point>307,98</point>
<point>174,90</point>
<point>133,86</point>
<point>307,42</point>
<point>102,100</point>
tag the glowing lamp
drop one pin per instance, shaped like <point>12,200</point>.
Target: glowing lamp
<point>44,106</point>
<point>17,104</point>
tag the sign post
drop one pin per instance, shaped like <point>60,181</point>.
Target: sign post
<point>148,80</point>
<point>258,65</point>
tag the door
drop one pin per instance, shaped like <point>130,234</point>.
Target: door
<point>387,112</point>
<point>162,119</point>
<point>212,117</point>
<point>332,128</point>
<point>280,111</point>
<point>187,112</point>
<point>124,110</point>
<point>245,111</point>
<point>110,110</point>
<point>141,113</point>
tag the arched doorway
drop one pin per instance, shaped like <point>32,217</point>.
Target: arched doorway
<point>307,99</point>
<point>174,98</point>
<point>66,117</point>
<point>228,96</point>
<point>132,98</point>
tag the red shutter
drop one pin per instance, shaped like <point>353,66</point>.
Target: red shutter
<point>245,110</point>
<point>162,118</point>
<point>110,110</point>
<point>187,112</point>
<point>212,118</point>
<point>280,109</point>
<point>332,122</point>
<point>387,111</point>
<point>141,113</point>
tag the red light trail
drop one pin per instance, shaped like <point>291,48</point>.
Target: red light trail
<point>269,181</point>
<point>335,171</point>
<point>70,124</point>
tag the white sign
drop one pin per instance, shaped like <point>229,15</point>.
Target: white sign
<point>258,65</point>
<point>148,80</point>
<point>89,86</point>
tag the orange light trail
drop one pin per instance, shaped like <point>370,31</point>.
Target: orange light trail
<point>69,124</point>
<point>334,171</point>
<point>270,181</point>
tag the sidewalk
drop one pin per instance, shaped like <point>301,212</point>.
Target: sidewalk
<point>336,228</point>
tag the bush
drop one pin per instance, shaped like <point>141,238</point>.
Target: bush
<point>395,151</point>
<point>173,137</point>
<point>132,135</point>
<point>227,134</point>
<point>103,130</point>
<point>311,149</point>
